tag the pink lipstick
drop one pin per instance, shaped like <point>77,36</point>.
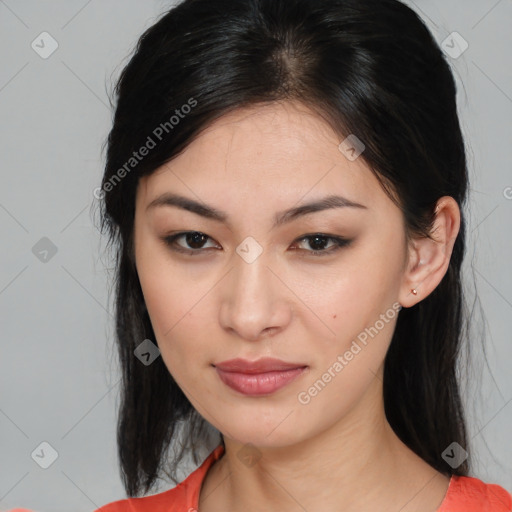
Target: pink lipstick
<point>261,377</point>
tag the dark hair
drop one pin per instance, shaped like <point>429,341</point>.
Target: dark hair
<point>367,67</point>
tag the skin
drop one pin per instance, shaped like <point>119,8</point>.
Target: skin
<point>338,448</point>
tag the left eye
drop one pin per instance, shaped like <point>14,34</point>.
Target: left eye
<point>320,239</point>
<point>194,239</point>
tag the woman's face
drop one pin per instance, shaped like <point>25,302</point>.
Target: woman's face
<point>255,289</point>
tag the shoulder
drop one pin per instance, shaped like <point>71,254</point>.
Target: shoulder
<point>181,498</point>
<point>469,494</point>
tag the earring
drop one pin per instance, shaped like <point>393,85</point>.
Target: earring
<point>413,291</point>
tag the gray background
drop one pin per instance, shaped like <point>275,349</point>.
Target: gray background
<point>58,371</point>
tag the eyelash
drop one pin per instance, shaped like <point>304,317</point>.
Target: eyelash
<point>338,241</point>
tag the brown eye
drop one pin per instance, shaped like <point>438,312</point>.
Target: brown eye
<point>194,241</point>
<point>318,241</point>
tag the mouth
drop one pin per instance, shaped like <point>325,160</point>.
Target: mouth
<point>258,378</point>
<point>262,365</point>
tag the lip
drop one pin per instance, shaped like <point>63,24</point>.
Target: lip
<point>262,377</point>
<point>263,365</point>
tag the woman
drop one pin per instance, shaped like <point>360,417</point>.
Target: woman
<point>284,188</point>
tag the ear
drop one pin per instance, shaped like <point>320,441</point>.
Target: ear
<point>428,259</point>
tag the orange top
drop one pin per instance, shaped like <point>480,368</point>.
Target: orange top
<point>464,494</point>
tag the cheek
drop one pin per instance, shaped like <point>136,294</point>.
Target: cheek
<point>170,309</point>
<point>358,305</point>
<point>347,363</point>
<point>180,321</point>
<point>166,294</point>
<point>350,297</point>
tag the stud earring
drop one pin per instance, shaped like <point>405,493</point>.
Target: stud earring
<point>413,291</point>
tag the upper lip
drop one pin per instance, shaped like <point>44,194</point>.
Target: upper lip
<point>265,364</point>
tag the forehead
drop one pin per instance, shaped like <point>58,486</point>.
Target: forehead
<point>270,137</point>
<point>281,153</point>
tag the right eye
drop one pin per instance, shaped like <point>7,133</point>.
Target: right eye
<point>194,239</point>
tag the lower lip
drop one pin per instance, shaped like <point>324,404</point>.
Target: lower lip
<point>259,383</point>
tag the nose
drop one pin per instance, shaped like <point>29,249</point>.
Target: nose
<point>255,303</point>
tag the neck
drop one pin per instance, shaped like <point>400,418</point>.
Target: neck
<point>359,462</point>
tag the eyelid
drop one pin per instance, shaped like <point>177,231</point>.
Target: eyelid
<point>339,242</point>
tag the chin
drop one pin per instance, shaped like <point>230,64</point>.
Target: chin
<point>263,437</point>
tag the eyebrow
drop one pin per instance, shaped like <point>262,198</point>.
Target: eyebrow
<point>204,210</point>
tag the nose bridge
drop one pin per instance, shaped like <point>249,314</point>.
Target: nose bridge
<point>250,302</point>
<point>251,276</point>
